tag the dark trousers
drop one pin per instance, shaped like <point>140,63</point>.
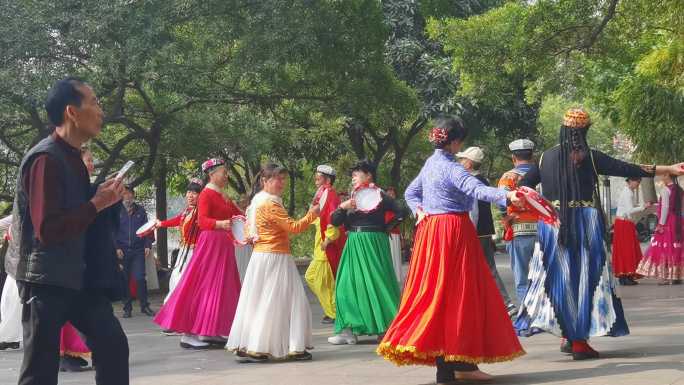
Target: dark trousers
<point>46,309</point>
<point>446,369</point>
<point>134,268</point>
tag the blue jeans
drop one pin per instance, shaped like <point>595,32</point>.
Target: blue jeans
<point>521,249</point>
<point>134,268</point>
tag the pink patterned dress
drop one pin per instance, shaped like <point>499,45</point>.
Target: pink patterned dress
<point>664,259</point>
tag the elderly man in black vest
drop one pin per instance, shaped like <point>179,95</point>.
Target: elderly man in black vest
<point>55,208</point>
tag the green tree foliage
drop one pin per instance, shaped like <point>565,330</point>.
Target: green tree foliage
<point>623,57</point>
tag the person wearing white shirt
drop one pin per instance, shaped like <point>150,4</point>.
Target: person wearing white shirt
<point>626,247</point>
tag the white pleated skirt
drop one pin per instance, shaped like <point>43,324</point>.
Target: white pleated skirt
<point>242,255</point>
<point>273,316</point>
<point>395,248</point>
<point>10,312</point>
<point>176,273</point>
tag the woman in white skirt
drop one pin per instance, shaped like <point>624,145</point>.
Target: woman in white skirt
<point>273,318</point>
<point>243,252</point>
<point>11,333</point>
<point>187,221</point>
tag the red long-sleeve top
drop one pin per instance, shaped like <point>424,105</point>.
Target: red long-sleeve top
<point>187,222</point>
<point>51,222</point>
<point>213,206</point>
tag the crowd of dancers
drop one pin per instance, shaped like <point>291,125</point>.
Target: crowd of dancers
<point>451,309</point>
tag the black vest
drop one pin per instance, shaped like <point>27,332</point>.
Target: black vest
<point>28,260</point>
<point>485,223</point>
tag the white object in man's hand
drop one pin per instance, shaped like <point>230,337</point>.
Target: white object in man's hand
<point>122,172</point>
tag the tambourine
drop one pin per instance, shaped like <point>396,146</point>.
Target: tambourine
<point>238,226</point>
<point>537,205</point>
<point>147,228</point>
<point>367,198</point>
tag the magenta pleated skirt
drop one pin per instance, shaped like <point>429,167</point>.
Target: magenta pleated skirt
<point>206,297</point>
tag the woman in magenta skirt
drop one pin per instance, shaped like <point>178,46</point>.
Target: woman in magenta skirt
<point>203,304</point>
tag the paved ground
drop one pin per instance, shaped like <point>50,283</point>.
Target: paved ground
<point>653,354</point>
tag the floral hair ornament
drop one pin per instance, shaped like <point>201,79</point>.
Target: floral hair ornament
<point>438,135</point>
<point>576,118</point>
<point>197,181</point>
<point>211,163</point>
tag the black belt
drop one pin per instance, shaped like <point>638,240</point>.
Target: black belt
<point>367,229</point>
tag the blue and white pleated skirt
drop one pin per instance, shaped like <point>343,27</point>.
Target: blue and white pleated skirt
<point>572,292</point>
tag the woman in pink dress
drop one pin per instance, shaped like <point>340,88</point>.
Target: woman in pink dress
<point>203,304</point>
<point>664,259</point>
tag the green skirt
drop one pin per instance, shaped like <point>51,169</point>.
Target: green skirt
<point>367,293</point>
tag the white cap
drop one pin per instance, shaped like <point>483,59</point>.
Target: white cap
<point>473,153</point>
<point>521,144</point>
<point>325,169</point>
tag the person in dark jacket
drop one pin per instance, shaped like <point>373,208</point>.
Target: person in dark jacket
<point>481,216</point>
<point>54,207</point>
<point>132,250</point>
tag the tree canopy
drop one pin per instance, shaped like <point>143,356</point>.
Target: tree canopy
<point>306,82</point>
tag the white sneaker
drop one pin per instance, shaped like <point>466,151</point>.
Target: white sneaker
<point>191,342</point>
<point>344,338</point>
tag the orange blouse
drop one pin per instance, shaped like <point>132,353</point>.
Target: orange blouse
<point>274,226</point>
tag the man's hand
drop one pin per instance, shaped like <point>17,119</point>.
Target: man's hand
<point>147,252</point>
<point>119,253</point>
<point>107,194</point>
<point>316,209</point>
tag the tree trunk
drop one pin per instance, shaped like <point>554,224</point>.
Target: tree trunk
<point>160,195</point>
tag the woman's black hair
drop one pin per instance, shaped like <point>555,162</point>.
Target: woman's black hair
<point>633,178</point>
<point>268,171</point>
<point>573,150</point>
<point>456,130</point>
<point>194,187</point>
<point>523,154</point>
<point>364,166</point>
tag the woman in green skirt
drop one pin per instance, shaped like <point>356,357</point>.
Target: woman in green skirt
<point>367,293</point>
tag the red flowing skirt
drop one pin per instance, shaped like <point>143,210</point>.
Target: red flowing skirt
<point>626,249</point>
<point>450,306</point>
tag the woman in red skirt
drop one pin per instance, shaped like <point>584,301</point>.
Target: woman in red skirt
<point>451,313</point>
<point>626,246</point>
